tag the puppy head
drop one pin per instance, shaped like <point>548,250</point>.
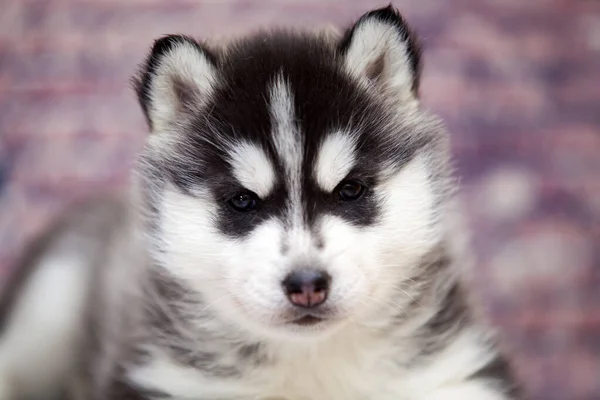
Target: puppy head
<point>294,182</point>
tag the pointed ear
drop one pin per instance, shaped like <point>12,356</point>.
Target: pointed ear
<point>382,50</point>
<point>176,78</point>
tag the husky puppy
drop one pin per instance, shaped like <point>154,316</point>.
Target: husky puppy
<point>291,234</point>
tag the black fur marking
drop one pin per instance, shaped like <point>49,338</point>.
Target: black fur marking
<point>250,351</point>
<point>325,99</point>
<point>168,319</point>
<point>452,316</point>
<point>421,284</point>
<point>209,363</point>
<point>391,16</point>
<point>123,390</point>
<point>143,81</point>
<point>499,372</point>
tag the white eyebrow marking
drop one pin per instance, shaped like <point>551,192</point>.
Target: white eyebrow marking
<point>335,159</point>
<point>252,168</point>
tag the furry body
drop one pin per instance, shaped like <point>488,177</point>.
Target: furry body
<point>278,153</point>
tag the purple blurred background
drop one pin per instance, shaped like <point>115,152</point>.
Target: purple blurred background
<point>517,82</point>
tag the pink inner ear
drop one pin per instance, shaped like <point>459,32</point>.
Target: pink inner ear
<point>375,69</point>
<point>186,94</point>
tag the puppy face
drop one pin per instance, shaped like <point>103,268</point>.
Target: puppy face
<point>296,183</point>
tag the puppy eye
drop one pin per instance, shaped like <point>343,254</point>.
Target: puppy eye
<point>350,190</point>
<point>244,201</point>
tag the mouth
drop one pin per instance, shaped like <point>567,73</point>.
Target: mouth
<point>307,320</point>
<point>311,318</point>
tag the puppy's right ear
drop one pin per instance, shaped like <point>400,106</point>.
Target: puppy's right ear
<point>175,79</point>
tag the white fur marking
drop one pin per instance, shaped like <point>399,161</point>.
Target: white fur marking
<point>44,326</point>
<point>288,142</point>
<point>408,211</point>
<point>335,160</point>
<point>252,168</point>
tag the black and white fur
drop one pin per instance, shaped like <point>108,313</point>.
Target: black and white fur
<point>174,294</point>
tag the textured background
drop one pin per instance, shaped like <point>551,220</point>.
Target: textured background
<point>517,81</point>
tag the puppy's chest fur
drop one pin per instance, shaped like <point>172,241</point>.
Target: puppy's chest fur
<point>349,367</point>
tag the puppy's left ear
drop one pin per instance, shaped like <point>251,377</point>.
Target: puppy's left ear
<point>382,50</point>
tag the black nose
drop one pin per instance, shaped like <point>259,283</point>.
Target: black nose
<point>307,288</point>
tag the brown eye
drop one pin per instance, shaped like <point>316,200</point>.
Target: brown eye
<point>244,201</point>
<point>350,190</point>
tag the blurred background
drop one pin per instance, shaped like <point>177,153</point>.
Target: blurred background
<point>517,82</point>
